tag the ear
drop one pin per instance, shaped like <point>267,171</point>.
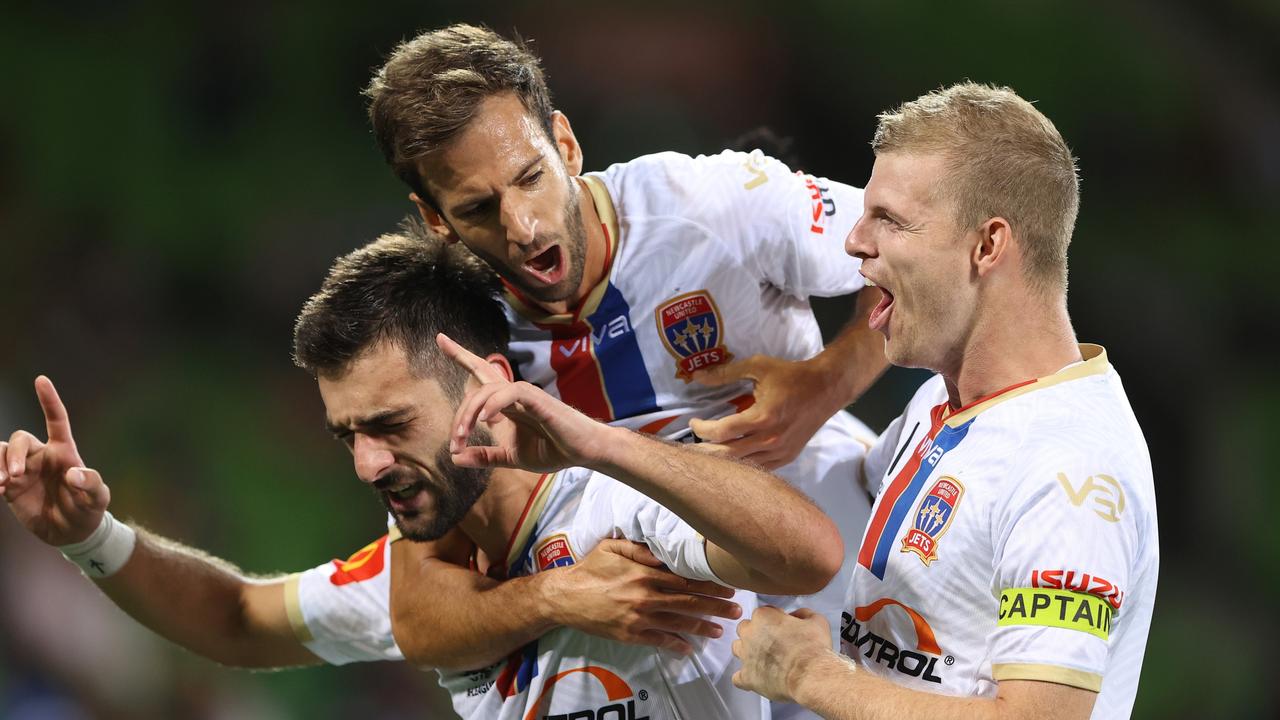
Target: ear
<point>566,142</point>
<point>994,246</point>
<point>433,219</point>
<point>503,365</point>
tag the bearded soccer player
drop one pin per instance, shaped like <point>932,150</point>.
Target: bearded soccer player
<point>668,294</point>
<point>391,394</point>
<point>1011,559</point>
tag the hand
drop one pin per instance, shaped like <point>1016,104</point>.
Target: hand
<point>792,400</point>
<point>545,434</point>
<point>621,592</point>
<point>46,485</point>
<point>775,649</point>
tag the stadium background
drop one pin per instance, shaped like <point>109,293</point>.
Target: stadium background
<point>174,183</point>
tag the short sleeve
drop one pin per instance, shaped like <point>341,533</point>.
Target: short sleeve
<point>1065,552</point>
<point>618,510</point>
<point>340,610</point>
<point>796,225</point>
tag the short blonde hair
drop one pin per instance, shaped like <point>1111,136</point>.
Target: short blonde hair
<point>1003,158</point>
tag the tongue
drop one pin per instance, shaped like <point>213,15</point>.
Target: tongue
<point>876,320</point>
<point>546,260</point>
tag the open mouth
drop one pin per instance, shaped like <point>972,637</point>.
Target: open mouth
<point>547,266</point>
<point>404,496</point>
<point>879,318</point>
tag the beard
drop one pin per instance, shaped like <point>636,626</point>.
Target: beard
<point>453,493</point>
<point>573,248</point>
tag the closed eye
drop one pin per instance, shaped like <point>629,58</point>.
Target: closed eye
<point>531,180</point>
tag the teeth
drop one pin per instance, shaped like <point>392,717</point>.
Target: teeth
<point>403,493</point>
<point>870,282</point>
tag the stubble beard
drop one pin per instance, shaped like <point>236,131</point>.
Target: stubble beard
<point>453,495</point>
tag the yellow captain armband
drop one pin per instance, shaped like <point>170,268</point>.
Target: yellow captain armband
<point>1055,608</point>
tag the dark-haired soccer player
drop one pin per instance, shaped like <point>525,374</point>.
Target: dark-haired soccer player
<point>666,294</point>
<point>391,395</point>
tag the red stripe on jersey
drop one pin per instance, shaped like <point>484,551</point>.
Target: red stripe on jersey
<point>866,553</point>
<point>578,377</point>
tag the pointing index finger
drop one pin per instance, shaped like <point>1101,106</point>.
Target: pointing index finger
<point>55,413</point>
<point>469,361</point>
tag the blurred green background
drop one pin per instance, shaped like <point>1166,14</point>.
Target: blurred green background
<point>174,182</point>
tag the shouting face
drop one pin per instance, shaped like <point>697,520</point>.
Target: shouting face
<point>506,190</point>
<point>396,425</point>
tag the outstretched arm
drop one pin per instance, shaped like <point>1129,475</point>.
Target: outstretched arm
<point>195,600</point>
<point>793,398</point>
<point>762,534</point>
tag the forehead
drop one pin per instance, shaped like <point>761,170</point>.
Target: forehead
<point>380,380</point>
<point>905,182</point>
<point>500,140</point>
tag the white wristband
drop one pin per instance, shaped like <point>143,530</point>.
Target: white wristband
<point>103,553</point>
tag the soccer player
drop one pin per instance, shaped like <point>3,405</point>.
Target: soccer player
<point>391,396</point>
<point>666,294</point>
<point>1009,568</point>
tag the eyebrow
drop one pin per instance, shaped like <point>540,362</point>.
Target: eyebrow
<point>516,178</point>
<point>383,418</point>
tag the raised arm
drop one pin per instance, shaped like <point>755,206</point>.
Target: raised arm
<point>762,534</point>
<point>446,615</point>
<point>197,601</point>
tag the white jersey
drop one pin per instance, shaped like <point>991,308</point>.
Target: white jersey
<point>1014,539</point>
<point>341,613</point>
<point>567,673</point>
<point>708,259</point>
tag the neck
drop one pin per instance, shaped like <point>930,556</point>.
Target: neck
<point>593,264</point>
<point>1019,341</point>
<point>493,518</point>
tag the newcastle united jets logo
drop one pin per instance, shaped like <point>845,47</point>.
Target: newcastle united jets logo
<point>932,518</point>
<point>690,327</point>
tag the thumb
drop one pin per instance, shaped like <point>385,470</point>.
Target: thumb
<point>633,551</point>
<point>88,490</point>
<point>803,613</point>
<point>718,375</point>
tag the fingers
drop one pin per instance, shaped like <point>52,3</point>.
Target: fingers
<point>468,414</point>
<point>670,582</point>
<point>472,363</point>
<point>804,613</point>
<point>697,606</point>
<point>4,465</point>
<point>21,446</point>
<point>728,373</point>
<point>88,490</point>
<point>55,413</point>
<point>478,456</point>
<point>633,551</point>
<point>671,622</point>
<point>732,426</point>
<point>665,640</point>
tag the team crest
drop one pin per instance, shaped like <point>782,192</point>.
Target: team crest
<point>690,327</point>
<point>554,552</point>
<point>933,517</point>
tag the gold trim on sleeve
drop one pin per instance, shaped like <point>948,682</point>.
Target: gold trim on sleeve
<point>1048,673</point>
<point>293,608</point>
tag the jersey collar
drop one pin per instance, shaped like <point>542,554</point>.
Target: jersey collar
<point>523,532</point>
<point>1095,363</point>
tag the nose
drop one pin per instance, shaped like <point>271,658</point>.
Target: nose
<point>518,220</point>
<point>859,242</point>
<point>372,458</point>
